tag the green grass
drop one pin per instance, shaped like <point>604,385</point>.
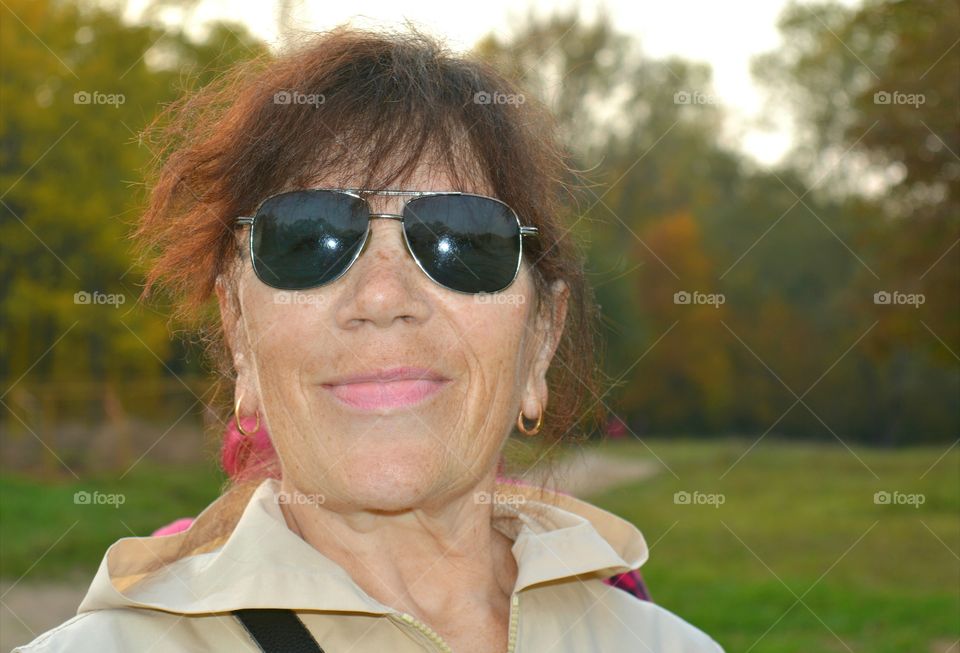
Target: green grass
<point>36,515</point>
<point>797,508</point>
<point>791,514</point>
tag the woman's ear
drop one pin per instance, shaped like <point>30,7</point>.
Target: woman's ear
<point>549,326</point>
<point>236,342</point>
<point>553,322</point>
<point>228,316</point>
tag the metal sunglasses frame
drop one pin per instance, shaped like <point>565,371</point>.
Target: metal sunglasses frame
<point>361,194</point>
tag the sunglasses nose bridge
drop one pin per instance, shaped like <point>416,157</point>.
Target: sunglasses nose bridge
<point>386,216</point>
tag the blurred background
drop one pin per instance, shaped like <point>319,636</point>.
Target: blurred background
<point>771,221</point>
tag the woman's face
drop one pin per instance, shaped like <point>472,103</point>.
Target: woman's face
<point>384,312</point>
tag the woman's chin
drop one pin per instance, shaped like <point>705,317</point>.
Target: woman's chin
<point>377,471</point>
<point>398,482</point>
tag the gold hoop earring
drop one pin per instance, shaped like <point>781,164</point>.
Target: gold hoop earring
<point>236,418</point>
<point>524,429</point>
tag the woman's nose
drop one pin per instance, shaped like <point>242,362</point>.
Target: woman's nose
<point>384,285</point>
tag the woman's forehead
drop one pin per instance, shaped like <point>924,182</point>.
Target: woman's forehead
<point>459,171</point>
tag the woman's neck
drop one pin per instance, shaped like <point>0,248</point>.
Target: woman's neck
<point>434,564</point>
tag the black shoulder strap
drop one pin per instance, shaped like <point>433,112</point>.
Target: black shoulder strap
<point>277,630</point>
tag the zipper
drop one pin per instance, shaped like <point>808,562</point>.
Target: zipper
<point>429,632</point>
<point>441,645</point>
<point>514,622</point>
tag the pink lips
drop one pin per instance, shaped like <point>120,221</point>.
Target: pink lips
<point>391,388</point>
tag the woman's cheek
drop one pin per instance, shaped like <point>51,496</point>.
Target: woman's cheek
<point>284,334</point>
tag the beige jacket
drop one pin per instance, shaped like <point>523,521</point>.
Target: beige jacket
<point>564,548</point>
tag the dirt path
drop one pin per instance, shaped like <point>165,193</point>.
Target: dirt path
<point>590,472</point>
<point>30,608</point>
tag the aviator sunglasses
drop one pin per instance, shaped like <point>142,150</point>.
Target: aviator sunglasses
<point>308,238</point>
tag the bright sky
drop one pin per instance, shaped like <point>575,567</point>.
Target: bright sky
<point>723,34</point>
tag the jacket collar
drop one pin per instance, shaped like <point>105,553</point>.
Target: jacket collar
<point>262,563</point>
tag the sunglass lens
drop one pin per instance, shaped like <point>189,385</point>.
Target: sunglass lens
<point>464,242</point>
<point>304,239</point>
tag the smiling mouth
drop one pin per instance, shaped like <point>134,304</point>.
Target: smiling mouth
<point>379,395</point>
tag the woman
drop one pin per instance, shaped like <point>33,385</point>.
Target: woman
<point>378,220</point>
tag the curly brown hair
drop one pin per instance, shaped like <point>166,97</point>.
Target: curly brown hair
<point>377,101</point>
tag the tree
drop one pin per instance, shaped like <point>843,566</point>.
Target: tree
<point>78,84</point>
